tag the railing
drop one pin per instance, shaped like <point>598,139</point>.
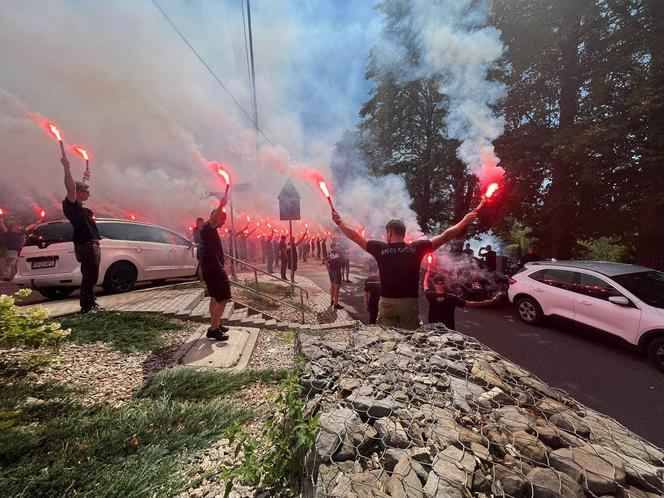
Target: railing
<point>257,290</point>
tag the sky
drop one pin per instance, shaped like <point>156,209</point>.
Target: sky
<point>117,79</point>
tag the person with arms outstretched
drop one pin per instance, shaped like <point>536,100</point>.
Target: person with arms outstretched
<point>399,267</point>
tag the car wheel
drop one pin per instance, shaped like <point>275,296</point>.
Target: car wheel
<point>56,292</point>
<point>656,351</point>
<point>120,277</point>
<point>529,310</point>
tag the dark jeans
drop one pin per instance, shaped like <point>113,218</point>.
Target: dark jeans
<point>373,311</point>
<point>284,262</point>
<point>89,255</point>
<point>270,262</point>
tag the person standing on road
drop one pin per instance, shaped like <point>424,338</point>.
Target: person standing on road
<point>14,241</point>
<point>323,246</point>
<point>214,274</point>
<point>442,304</point>
<point>291,251</point>
<point>283,256</point>
<point>530,256</point>
<point>372,296</point>
<point>345,262</point>
<point>399,267</point>
<point>489,256</point>
<point>318,247</point>
<point>334,265</point>
<point>196,235</point>
<point>268,251</point>
<point>85,237</point>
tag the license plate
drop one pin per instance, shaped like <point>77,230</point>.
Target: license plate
<point>45,263</point>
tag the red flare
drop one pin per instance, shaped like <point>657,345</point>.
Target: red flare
<point>363,232</point>
<point>269,226</point>
<point>132,217</point>
<point>1,212</point>
<point>491,189</point>
<point>429,259</point>
<point>42,213</point>
<point>81,151</point>
<point>248,218</point>
<point>323,187</point>
<point>224,174</point>
<point>54,131</point>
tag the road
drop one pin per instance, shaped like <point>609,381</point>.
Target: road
<point>595,369</point>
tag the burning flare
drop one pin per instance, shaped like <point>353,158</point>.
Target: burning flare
<point>42,213</point>
<point>429,259</point>
<point>491,189</point>
<point>224,174</point>
<point>81,152</point>
<point>323,187</point>
<point>54,130</point>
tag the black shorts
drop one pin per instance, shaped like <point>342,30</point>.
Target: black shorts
<point>218,285</point>
<point>335,276</point>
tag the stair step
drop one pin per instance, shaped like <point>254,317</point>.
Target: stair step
<point>184,310</point>
<point>228,311</point>
<point>257,322</point>
<point>270,324</point>
<point>237,316</point>
<point>201,309</point>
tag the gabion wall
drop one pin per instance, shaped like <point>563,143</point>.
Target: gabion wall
<point>434,413</point>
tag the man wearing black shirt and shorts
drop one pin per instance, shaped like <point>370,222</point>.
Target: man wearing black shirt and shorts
<point>442,305</point>
<point>85,238</point>
<point>214,275</point>
<point>334,263</point>
<point>399,267</point>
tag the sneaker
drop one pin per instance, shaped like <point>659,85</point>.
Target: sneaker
<point>223,330</point>
<point>338,307</point>
<point>97,308</point>
<point>216,334</point>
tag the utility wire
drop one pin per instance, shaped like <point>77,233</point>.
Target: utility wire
<point>246,54</point>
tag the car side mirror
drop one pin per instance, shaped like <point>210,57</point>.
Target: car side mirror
<point>620,300</point>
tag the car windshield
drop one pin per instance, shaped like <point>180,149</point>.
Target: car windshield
<point>647,286</point>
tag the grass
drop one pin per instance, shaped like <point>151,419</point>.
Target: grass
<point>125,332</point>
<point>57,447</point>
<point>188,383</point>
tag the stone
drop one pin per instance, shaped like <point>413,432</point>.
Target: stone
<point>348,385</point>
<point>421,454</point>
<point>448,366</point>
<point>549,434</point>
<point>549,483</point>
<point>404,482</point>
<point>484,373</point>
<point>511,483</point>
<point>371,407</point>
<point>451,472</point>
<point>586,467</point>
<point>647,476</point>
<point>334,438</point>
<point>391,432</point>
<point>514,418</point>
<point>570,422</point>
<point>529,446</point>
<point>365,438</point>
<point>495,397</point>
<point>311,352</point>
<point>360,485</point>
<point>392,456</point>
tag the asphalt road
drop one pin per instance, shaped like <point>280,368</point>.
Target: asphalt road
<point>595,369</point>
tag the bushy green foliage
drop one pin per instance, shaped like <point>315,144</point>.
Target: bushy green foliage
<point>189,383</point>
<point>125,332</point>
<point>29,327</point>
<point>602,249</point>
<point>273,461</point>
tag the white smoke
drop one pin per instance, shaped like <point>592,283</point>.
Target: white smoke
<point>117,79</point>
<point>455,44</point>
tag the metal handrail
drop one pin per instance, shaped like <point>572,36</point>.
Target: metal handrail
<point>257,290</point>
<point>280,301</point>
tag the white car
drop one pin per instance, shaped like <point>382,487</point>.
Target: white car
<point>130,252</point>
<point>621,299</point>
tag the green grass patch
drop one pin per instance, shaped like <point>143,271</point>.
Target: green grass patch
<point>198,384</point>
<point>125,332</point>
<point>139,449</point>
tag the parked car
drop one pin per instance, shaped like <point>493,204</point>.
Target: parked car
<point>130,252</point>
<point>621,299</point>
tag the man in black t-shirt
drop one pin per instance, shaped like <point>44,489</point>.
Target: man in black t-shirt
<point>334,264</point>
<point>399,267</point>
<point>442,304</point>
<point>489,256</point>
<point>214,275</point>
<point>85,237</point>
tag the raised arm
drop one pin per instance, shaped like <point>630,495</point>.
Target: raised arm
<point>3,228</point>
<point>304,236</point>
<point>70,184</point>
<point>218,216</point>
<point>348,231</point>
<point>426,279</point>
<point>30,227</point>
<point>453,231</point>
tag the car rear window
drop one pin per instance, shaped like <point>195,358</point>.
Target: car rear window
<point>51,233</point>
<point>562,279</point>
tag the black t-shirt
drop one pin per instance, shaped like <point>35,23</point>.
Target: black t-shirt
<point>212,252</point>
<point>399,266</point>
<point>83,221</point>
<point>334,261</point>
<point>441,307</point>
<point>372,286</point>
<point>490,258</point>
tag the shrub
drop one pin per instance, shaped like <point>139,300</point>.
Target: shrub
<point>602,249</point>
<point>28,328</point>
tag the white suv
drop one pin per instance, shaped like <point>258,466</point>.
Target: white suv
<point>624,300</point>
<point>130,252</point>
